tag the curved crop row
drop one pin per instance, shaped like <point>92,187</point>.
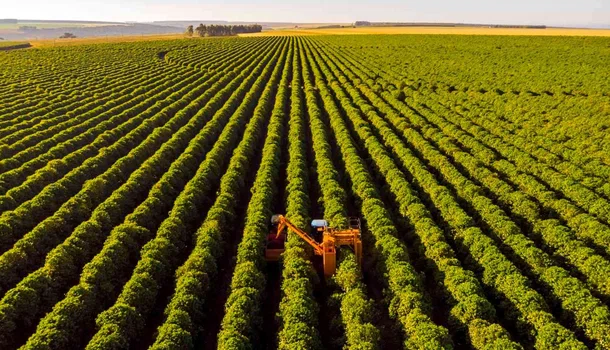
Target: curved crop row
<point>563,243</point>
<point>595,326</point>
<point>133,117</point>
<point>38,215</point>
<point>122,322</point>
<point>16,184</point>
<point>195,275</point>
<point>298,308</point>
<point>103,277</point>
<point>69,98</point>
<point>480,320</point>
<point>356,321</point>
<point>27,137</point>
<point>242,321</point>
<point>91,113</point>
<point>64,262</point>
<point>554,236</point>
<point>586,226</point>
<point>42,205</point>
<point>59,113</point>
<point>594,178</point>
<point>407,303</point>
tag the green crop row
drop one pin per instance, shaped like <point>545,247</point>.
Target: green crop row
<point>480,318</point>
<point>195,276</point>
<point>65,261</point>
<point>122,322</point>
<point>407,303</point>
<point>242,321</point>
<point>298,308</point>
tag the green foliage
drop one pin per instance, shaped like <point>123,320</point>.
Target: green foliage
<point>356,310</point>
<point>505,228</point>
<point>159,256</point>
<point>480,170</point>
<point>242,323</point>
<point>403,282</point>
<point>298,309</point>
<point>194,277</point>
<point>121,246</point>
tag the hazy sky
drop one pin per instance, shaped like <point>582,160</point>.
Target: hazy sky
<point>550,12</point>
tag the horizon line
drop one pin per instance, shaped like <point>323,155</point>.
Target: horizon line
<point>578,26</point>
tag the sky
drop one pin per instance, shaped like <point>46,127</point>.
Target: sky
<point>548,12</point>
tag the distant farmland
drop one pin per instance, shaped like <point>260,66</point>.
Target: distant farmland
<point>138,180</point>
<point>18,30</point>
<point>9,45</point>
<point>349,30</point>
<point>53,24</point>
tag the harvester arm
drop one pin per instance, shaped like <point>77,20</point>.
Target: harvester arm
<point>283,223</point>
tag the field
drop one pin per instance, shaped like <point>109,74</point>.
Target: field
<point>435,30</point>
<point>105,39</point>
<point>138,181</point>
<point>53,24</point>
<point>10,45</point>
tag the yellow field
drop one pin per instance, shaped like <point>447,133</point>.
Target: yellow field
<point>103,39</point>
<point>437,30</point>
<point>341,31</point>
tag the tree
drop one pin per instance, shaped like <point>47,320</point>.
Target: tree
<point>201,29</point>
<point>189,30</point>
<point>226,30</point>
<point>68,36</point>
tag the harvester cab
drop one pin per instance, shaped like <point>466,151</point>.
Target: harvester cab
<point>325,240</point>
<point>318,226</point>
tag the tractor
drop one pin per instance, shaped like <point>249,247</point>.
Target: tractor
<point>326,243</point>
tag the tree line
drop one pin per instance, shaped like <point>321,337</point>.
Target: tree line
<point>222,30</point>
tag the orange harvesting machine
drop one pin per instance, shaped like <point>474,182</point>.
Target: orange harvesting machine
<point>331,239</point>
